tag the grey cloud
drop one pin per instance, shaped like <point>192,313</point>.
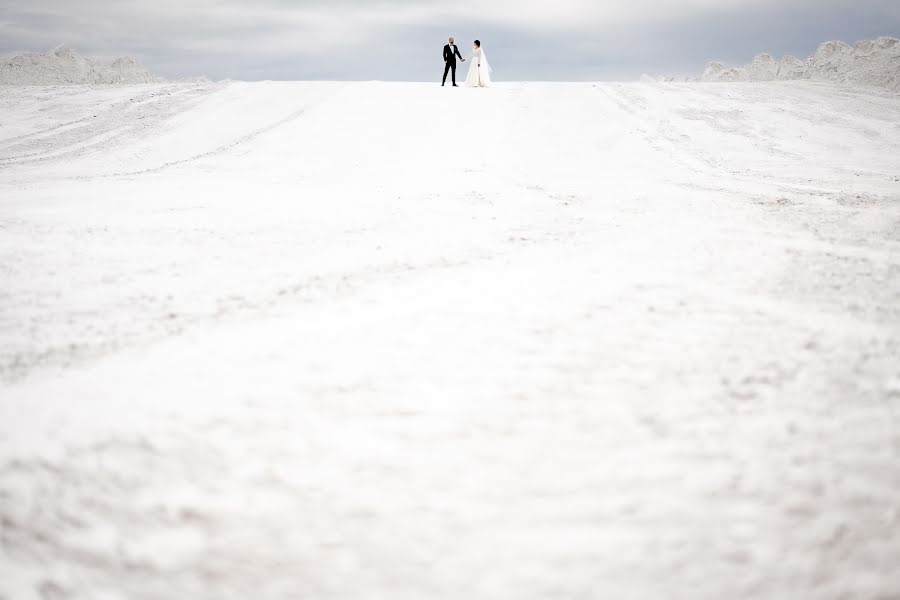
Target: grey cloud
<point>401,39</point>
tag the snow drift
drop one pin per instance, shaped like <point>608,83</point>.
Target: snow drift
<point>64,66</point>
<point>873,63</point>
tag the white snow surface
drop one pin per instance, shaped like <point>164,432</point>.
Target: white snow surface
<point>371,340</point>
<point>871,63</point>
<point>64,66</point>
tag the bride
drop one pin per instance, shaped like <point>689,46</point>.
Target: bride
<point>479,71</point>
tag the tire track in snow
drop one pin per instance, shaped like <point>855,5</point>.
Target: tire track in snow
<point>100,128</point>
<point>219,150</point>
<point>209,154</point>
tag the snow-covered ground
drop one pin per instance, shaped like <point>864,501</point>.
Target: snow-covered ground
<point>371,340</point>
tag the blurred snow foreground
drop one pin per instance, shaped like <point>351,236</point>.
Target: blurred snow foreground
<point>297,340</point>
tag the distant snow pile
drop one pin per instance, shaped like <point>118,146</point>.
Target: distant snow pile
<point>874,63</point>
<point>64,66</point>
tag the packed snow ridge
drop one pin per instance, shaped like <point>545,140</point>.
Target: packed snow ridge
<point>64,66</point>
<point>873,63</point>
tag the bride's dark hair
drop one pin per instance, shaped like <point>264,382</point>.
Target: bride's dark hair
<point>478,43</point>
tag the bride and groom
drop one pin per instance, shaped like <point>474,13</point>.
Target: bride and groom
<point>479,71</point>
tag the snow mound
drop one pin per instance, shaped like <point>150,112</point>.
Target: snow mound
<point>716,71</point>
<point>791,67</point>
<point>64,66</point>
<point>763,68</point>
<point>873,63</point>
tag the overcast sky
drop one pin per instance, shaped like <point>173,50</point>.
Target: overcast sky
<point>402,39</point>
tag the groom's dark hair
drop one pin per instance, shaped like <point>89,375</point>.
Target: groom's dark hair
<point>478,43</point>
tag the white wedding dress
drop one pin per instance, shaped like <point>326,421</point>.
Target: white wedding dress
<point>479,70</point>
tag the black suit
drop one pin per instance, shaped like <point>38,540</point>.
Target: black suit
<point>450,54</point>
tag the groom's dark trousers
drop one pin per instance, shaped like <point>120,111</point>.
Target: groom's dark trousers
<point>450,55</point>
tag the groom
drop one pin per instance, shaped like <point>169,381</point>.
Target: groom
<point>450,54</point>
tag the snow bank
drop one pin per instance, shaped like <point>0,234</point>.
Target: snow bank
<point>64,66</point>
<point>873,63</point>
